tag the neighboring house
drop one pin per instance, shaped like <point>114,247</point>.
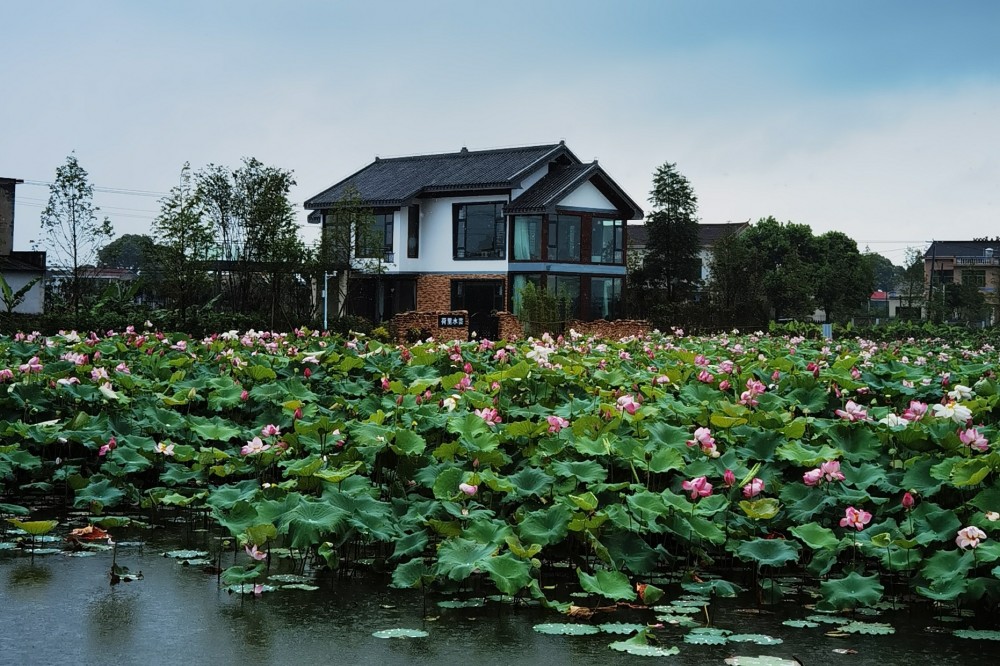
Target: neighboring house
<point>964,262</point>
<point>19,267</point>
<point>708,236</point>
<point>467,230</point>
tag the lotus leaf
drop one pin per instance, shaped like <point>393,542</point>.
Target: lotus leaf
<point>610,584</point>
<point>770,552</point>
<point>401,633</point>
<point>566,629</point>
<point>851,591</point>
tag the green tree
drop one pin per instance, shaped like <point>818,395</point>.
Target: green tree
<point>73,232</point>
<point>133,252</point>
<point>671,264</point>
<point>913,284</point>
<point>782,256</point>
<point>735,285</point>
<point>262,258</point>
<point>186,245</point>
<point>843,276</point>
<point>886,274</point>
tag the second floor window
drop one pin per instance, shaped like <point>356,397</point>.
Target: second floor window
<point>374,241</point>
<point>607,242</point>
<point>480,231</point>
<point>564,238</point>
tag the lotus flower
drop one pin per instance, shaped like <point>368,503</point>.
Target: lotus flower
<point>254,446</point>
<point>856,518</point>
<point>908,501</point>
<point>973,439</point>
<point>489,414</point>
<point>255,554</point>
<point>729,478</point>
<point>628,404</point>
<point>698,487</point>
<point>754,488</point>
<point>468,489</point>
<point>556,423</point>
<point>852,412</point>
<point>969,537</point>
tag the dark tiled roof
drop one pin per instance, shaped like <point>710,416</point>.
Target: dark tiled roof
<point>393,181</point>
<point>552,187</point>
<point>23,261</point>
<point>708,234</point>
<point>962,248</point>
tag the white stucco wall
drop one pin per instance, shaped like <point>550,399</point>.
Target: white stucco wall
<point>586,196</point>
<point>34,302</point>
<point>436,240</point>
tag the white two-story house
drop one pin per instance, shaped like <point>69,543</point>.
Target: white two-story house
<point>467,230</point>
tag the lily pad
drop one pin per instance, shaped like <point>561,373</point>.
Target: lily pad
<point>760,661</point>
<point>300,586</point>
<point>566,629</point>
<point>977,634</point>
<point>624,628</point>
<point>401,633</point>
<point>186,554</point>
<point>758,639</point>
<point>800,624</point>
<point>868,628</point>
<point>461,603</point>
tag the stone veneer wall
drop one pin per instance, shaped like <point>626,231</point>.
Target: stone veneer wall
<point>509,327</point>
<point>434,290</point>
<point>401,325</point>
<point>611,330</point>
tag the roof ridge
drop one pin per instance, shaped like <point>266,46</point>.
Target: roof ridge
<point>466,151</point>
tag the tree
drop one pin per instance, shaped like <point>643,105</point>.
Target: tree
<point>912,282</point>
<point>843,276</point>
<point>72,229</point>
<point>186,246</point>
<point>886,274</point>
<point>133,252</point>
<point>735,286</point>
<point>671,263</point>
<point>261,255</point>
<point>782,257</point>
<point>348,225</point>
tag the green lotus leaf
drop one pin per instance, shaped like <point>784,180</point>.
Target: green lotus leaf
<point>643,650</point>
<point>623,628</point>
<point>213,429</point>
<point>850,592</point>
<point>545,526</point>
<point>34,527</point>
<point>705,639</point>
<point>407,442</point>
<point>771,552</point>
<point>458,557</point>
<point>446,483</point>
<point>584,471</point>
<point>566,629</point>
<point>261,534</point>
<point>946,564</point>
<point>14,509</point>
<point>309,521</point>
<point>868,628</point>
<point>414,573</point>
<point>918,477</point>
<point>238,575</point>
<point>461,603</point>
<point>796,452</point>
<point>300,586</point>
<point>510,574</point>
<point>716,586</point>
<point>970,472</point>
<point>473,433</point>
<point>531,481</point>
<point>186,554</point>
<point>97,495</point>
<point>977,634</point>
<point>613,585</point>
<point>816,536</point>
<point>758,639</point>
<point>586,502</point>
<point>800,624</point>
<point>762,509</point>
<point>400,633</point>
<point>338,474</point>
<point>763,660</point>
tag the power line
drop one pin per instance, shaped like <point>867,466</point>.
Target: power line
<point>107,190</point>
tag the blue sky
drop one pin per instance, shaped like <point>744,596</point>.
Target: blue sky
<point>878,119</point>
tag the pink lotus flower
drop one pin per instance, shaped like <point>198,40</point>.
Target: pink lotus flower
<point>32,366</point>
<point>754,488</point>
<point>973,439</point>
<point>6,374</point>
<point>831,470</point>
<point>729,478</point>
<point>254,553</point>
<point>969,537</point>
<point>726,367</point>
<point>754,388</point>
<point>852,412</point>
<point>706,377</point>
<point>254,446</point>
<point>856,518</point>
<point>703,438</point>
<point>107,448</point>
<point>915,411</point>
<point>385,383</point>
<point>490,415</point>
<point>813,368</point>
<point>813,477</point>
<point>724,385</point>
<point>700,360</point>
<point>244,395</point>
<point>698,487</point>
<point>627,403</point>
<point>468,489</point>
<point>556,423</point>
<point>270,430</point>
<point>908,501</point>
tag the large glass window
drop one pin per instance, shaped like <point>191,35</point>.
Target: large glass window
<point>528,238</point>
<point>974,277</point>
<point>480,231</point>
<point>374,241</point>
<point>566,288</point>
<point>564,238</point>
<point>605,298</point>
<point>607,242</point>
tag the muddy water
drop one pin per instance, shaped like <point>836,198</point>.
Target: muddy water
<point>62,610</point>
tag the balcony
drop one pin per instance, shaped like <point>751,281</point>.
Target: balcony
<point>977,261</point>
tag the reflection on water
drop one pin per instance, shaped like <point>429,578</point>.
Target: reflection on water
<point>64,611</point>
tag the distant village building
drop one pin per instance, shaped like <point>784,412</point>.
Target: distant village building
<point>19,268</point>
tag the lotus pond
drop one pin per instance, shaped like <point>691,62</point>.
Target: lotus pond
<point>706,497</point>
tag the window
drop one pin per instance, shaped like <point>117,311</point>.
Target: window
<point>528,238</point>
<point>605,298</point>
<point>606,242</point>
<point>566,288</point>
<point>480,231</point>
<point>375,240</point>
<point>413,232</point>
<point>564,238</point>
<point>974,277</point>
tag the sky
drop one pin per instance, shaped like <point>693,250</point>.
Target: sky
<point>877,119</point>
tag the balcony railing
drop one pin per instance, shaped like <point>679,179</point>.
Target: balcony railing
<point>977,261</point>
